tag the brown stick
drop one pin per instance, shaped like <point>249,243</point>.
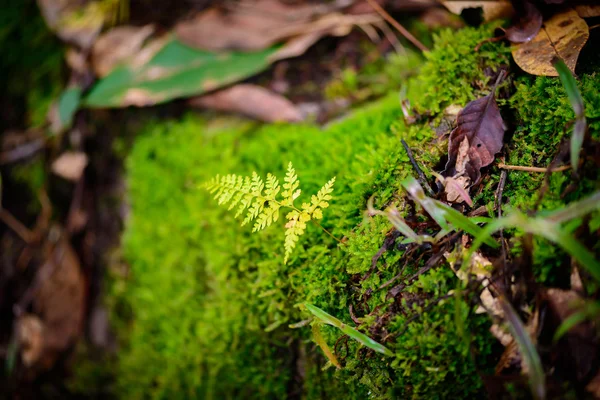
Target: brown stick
<point>16,225</point>
<point>532,169</point>
<point>397,25</point>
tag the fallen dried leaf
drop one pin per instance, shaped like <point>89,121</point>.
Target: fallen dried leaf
<point>477,137</point>
<point>528,25</point>
<point>577,348</point>
<point>588,11</point>
<point>491,9</point>
<point>253,25</point>
<point>60,300</point>
<point>70,165</point>
<point>562,36</point>
<point>250,100</point>
<point>118,46</point>
<point>74,21</point>
<point>30,335</point>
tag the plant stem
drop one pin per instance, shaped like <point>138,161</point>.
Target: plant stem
<point>403,31</point>
<point>532,169</point>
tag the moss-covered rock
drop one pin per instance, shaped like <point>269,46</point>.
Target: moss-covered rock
<point>206,308</point>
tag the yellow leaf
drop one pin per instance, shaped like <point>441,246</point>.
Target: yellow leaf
<point>563,36</point>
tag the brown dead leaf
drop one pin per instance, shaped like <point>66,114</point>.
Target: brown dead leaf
<point>30,335</point>
<point>577,349</point>
<point>75,21</point>
<point>60,299</point>
<point>252,101</point>
<point>477,137</point>
<point>528,25</point>
<point>563,36</point>
<point>492,10</point>
<point>588,11</point>
<point>70,165</point>
<point>259,24</point>
<point>117,46</point>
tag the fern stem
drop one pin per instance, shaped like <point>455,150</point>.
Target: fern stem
<point>326,231</point>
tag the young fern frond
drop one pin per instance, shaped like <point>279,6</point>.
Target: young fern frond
<point>262,201</point>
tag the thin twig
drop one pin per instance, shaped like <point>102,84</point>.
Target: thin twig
<point>533,169</point>
<point>422,178</point>
<point>499,192</point>
<point>397,25</point>
<point>16,225</point>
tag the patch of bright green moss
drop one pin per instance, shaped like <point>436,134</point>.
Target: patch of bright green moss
<point>211,303</point>
<point>456,74</point>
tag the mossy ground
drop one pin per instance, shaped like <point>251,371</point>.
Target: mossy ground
<point>206,306</point>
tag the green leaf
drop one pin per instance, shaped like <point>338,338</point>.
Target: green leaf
<point>68,104</point>
<point>461,222</point>
<point>570,84</point>
<point>348,330</point>
<point>415,191</point>
<point>526,348</point>
<point>175,71</point>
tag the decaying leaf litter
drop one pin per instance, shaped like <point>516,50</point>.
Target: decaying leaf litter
<point>135,68</point>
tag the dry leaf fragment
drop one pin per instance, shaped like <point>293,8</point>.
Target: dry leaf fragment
<point>30,335</point>
<point>117,46</point>
<point>492,10</point>
<point>251,100</point>
<point>70,165</point>
<point>75,21</point>
<point>255,25</point>
<point>480,125</point>
<point>562,36</point>
<point>577,349</point>
<point>588,11</point>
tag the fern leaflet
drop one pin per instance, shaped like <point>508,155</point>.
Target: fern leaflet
<point>262,201</point>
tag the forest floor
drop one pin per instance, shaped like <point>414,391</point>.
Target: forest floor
<point>70,122</point>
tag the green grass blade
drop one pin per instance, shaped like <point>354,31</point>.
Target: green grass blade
<point>527,349</point>
<point>316,330</point>
<point>570,85</point>
<point>589,310</point>
<point>348,330</point>
<point>584,257</point>
<point>576,210</point>
<point>461,222</point>
<point>415,191</point>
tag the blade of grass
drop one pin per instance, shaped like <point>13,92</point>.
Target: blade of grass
<point>545,228</point>
<point>348,330</point>
<point>461,222</point>
<point>527,349</point>
<point>415,191</point>
<point>570,84</point>
<point>316,330</point>
<point>589,310</point>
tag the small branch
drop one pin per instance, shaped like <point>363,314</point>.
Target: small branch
<point>533,169</point>
<point>397,25</point>
<point>422,178</point>
<point>16,225</point>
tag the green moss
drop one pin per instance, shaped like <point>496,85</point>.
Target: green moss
<point>456,74</point>
<point>206,307</point>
